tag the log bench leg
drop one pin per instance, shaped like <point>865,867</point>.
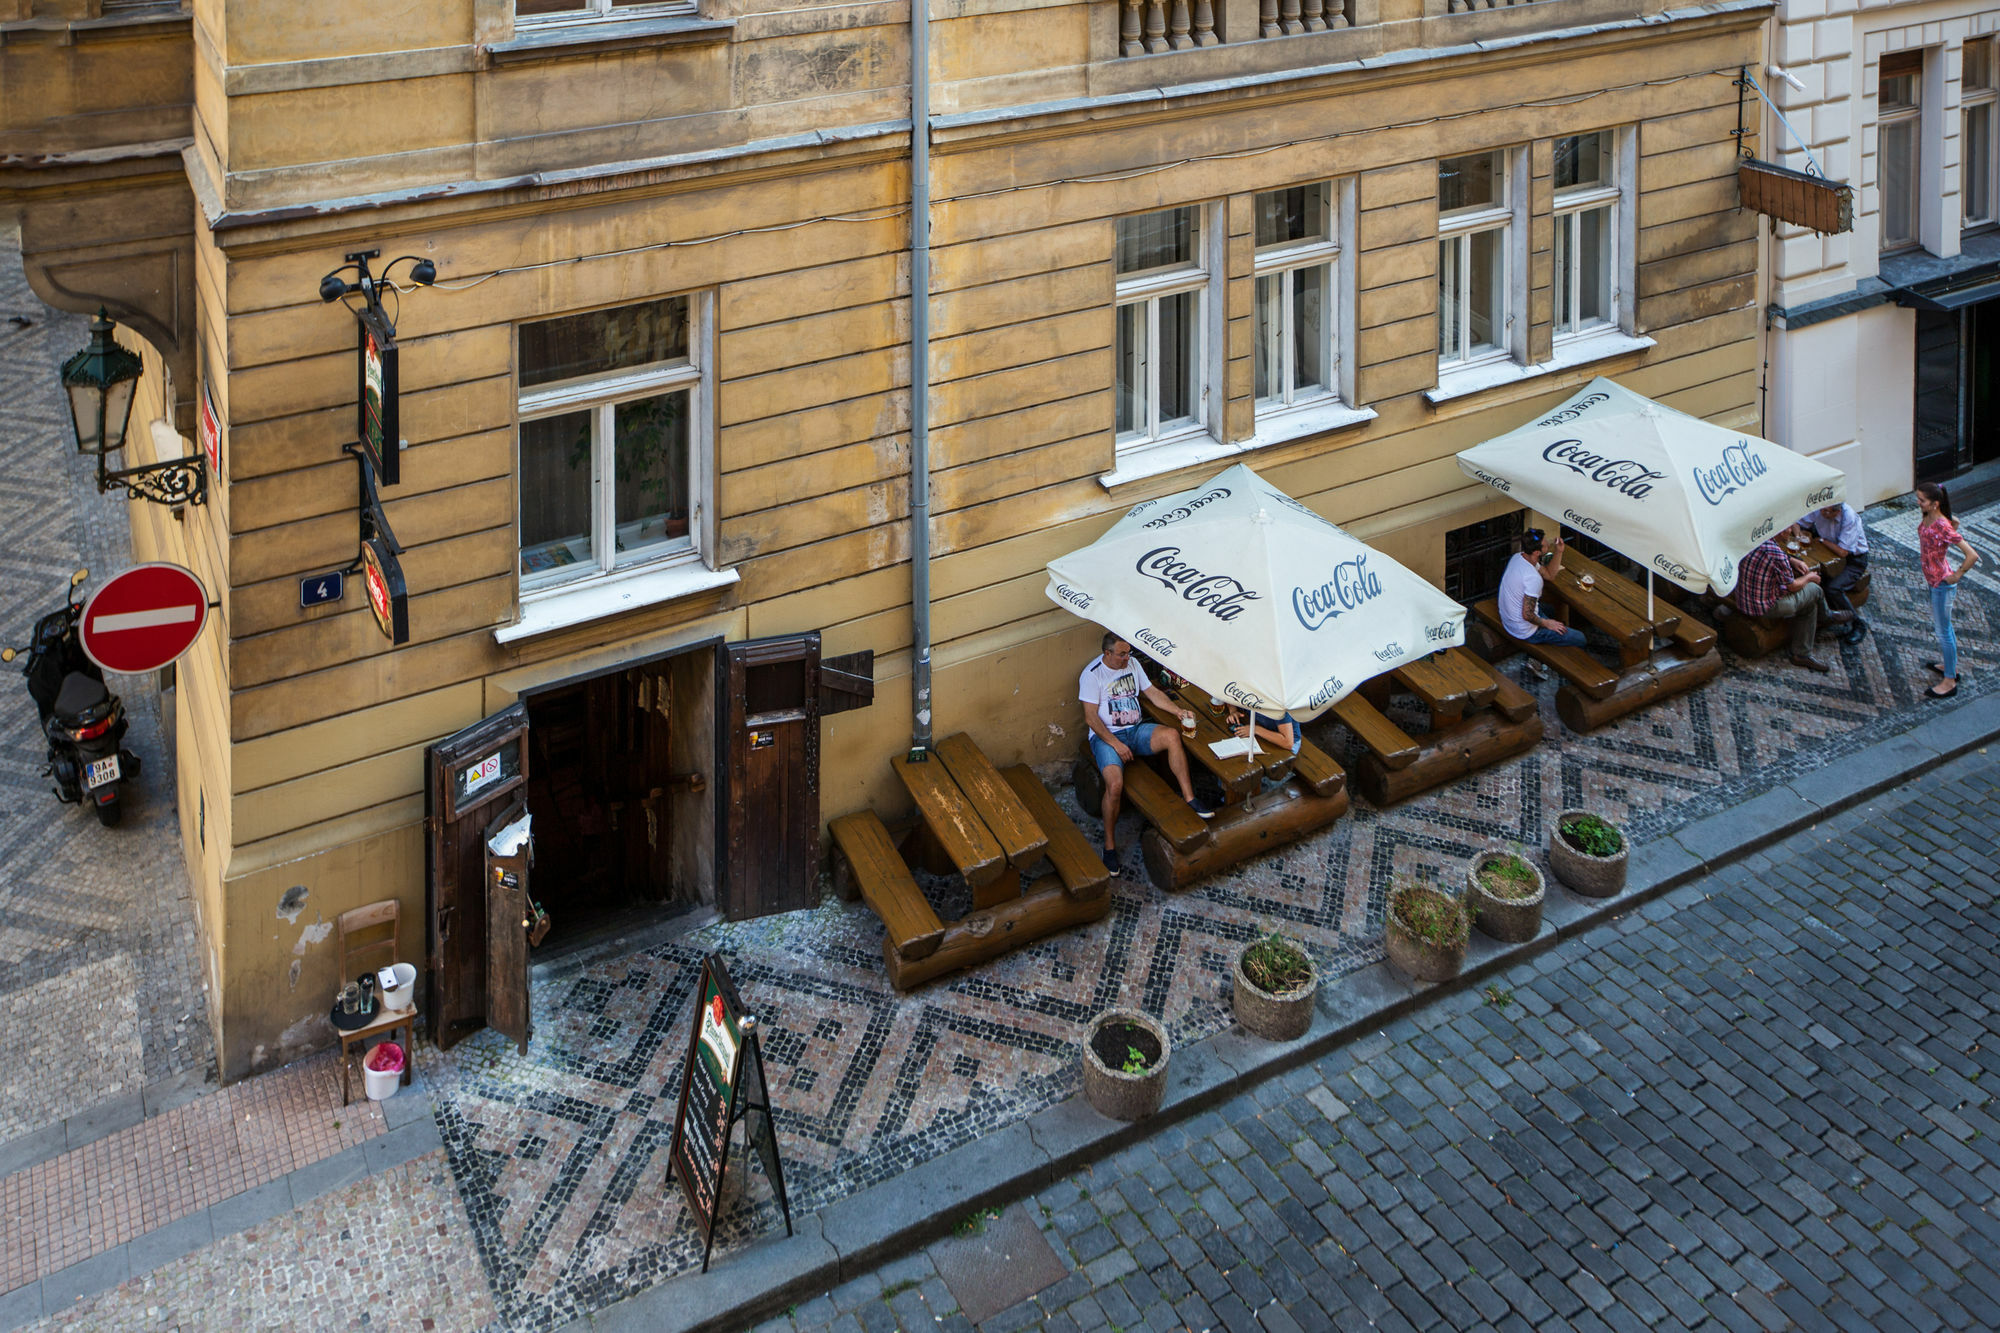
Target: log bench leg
<point>983,936</point>
<point>1262,824</point>
<point>1477,743</point>
<point>1666,677</point>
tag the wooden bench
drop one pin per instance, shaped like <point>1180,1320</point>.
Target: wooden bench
<point>1441,690</point>
<point>1512,702</point>
<point>1316,768</point>
<point>1481,683</point>
<point>866,857</point>
<point>1083,872</point>
<point>1148,793</point>
<point>950,817</point>
<point>1009,821</point>
<point>1590,676</point>
<point>1385,740</point>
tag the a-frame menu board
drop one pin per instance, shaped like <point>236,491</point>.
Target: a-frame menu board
<point>722,1081</point>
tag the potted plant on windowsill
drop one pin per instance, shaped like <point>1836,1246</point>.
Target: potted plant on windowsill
<point>1588,853</point>
<point>1125,1056</point>
<point>1506,893</point>
<point>1274,984</point>
<point>1425,931</point>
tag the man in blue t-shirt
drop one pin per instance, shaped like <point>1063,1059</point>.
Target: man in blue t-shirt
<point>1839,528</point>
<point>1110,689</point>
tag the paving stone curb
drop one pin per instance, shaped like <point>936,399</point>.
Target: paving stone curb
<point>854,1235</point>
<point>103,1119</point>
<point>412,1132</point>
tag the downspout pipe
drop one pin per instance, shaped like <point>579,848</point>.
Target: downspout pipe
<point>920,379</point>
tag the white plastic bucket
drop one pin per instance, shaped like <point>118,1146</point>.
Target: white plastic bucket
<point>399,986</point>
<point>380,1085</point>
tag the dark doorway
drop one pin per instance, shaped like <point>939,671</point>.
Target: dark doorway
<point>1955,424</point>
<point>621,786</point>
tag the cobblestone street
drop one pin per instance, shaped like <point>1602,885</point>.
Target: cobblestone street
<point>1758,1103</point>
<point>98,937</point>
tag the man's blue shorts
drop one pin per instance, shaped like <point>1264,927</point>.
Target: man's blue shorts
<point>1138,739</point>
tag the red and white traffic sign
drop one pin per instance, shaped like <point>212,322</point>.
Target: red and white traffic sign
<point>144,618</point>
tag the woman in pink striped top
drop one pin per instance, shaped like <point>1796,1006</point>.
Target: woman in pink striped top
<point>1937,535</point>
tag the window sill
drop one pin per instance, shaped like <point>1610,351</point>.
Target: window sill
<point>561,41</point>
<point>1568,355</point>
<point>560,608</point>
<point>1194,450</point>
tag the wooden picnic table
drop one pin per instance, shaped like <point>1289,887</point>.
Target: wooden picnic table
<point>989,827</point>
<point>1240,777</point>
<point>1616,606</point>
<point>1477,718</point>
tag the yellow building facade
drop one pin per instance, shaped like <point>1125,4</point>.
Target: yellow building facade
<point>658,404</point>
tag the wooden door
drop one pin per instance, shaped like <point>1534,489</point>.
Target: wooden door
<point>463,776</point>
<point>771,753</point>
<point>507,922</point>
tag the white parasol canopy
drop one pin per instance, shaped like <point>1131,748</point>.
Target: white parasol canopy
<point>1678,495</point>
<point>1252,596</point>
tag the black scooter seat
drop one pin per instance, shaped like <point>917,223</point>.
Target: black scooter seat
<point>80,694</point>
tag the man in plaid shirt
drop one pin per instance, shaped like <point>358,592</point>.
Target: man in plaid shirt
<point>1771,583</point>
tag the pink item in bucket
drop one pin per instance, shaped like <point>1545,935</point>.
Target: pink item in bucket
<point>386,1058</point>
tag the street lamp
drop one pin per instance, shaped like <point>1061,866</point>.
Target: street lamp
<point>101,381</point>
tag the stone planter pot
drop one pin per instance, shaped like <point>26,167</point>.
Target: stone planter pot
<point>1419,959</point>
<point>1512,920</point>
<point>1111,1090</point>
<point>1264,1014</point>
<point>1579,871</point>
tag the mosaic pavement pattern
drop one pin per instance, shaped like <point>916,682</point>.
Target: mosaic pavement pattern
<point>388,1252</point>
<point>559,1155</point>
<point>94,1198</point>
<point>79,904</point>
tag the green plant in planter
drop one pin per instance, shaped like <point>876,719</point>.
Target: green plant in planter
<point>1437,918</point>
<point>1508,876</point>
<point>1276,964</point>
<point>1135,1061</point>
<point>1592,836</point>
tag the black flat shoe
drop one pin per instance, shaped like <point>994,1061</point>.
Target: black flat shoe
<point>1935,693</point>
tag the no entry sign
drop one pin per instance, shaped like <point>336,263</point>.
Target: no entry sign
<point>143,618</point>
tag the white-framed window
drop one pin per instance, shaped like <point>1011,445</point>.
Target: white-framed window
<point>1587,259</point>
<point>1898,147</point>
<point>1979,165</point>
<point>569,11</point>
<point>1297,246</point>
<point>1163,281</point>
<point>1476,226</point>
<point>612,444</point>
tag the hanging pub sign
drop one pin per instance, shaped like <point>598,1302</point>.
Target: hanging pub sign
<point>210,422</point>
<point>379,391</point>
<point>1815,202</point>
<point>388,598</point>
<point>722,1081</point>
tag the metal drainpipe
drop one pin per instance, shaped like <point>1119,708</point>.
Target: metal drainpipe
<point>920,378</point>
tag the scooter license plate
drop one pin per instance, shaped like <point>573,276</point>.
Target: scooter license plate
<point>101,771</point>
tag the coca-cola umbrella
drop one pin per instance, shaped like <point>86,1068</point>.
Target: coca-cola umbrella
<point>1253,597</point>
<point>1679,495</point>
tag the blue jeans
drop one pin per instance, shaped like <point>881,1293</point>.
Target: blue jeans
<point>1941,617</point>
<point>1569,638</point>
<point>1138,738</point>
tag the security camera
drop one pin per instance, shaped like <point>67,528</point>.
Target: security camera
<point>1780,72</point>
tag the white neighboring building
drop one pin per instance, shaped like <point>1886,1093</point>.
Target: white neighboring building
<point>1880,341</point>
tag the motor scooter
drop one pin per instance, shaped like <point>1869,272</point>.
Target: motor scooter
<point>82,720</point>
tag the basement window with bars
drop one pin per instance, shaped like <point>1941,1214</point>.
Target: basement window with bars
<point>1475,556</point>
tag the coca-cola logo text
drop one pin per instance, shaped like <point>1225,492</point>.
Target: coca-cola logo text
<point>1574,410</point>
<point>1075,597</point>
<point>1349,584</point>
<point>1330,689</point>
<point>1738,468</point>
<point>1156,644</point>
<point>1180,512</point>
<point>1218,594</point>
<point>1497,483</point>
<point>1389,652</point>
<point>1624,475</point>
<point>1820,498</point>
<point>1248,698</point>
<point>1585,522</point>
<point>1673,569</point>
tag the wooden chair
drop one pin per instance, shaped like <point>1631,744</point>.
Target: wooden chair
<point>367,921</point>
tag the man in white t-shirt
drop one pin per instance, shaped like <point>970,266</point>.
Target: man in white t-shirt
<point>1110,689</point>
<point>1520,594</point>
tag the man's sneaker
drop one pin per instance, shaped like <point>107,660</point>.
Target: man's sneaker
<point>1111,860</point>
<point>1203,807</point>
<point>1856,632</point>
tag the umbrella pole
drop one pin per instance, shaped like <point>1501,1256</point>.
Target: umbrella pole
<point>1649,594</point>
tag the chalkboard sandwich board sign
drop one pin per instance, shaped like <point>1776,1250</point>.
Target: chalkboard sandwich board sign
<point>722,1081</point>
